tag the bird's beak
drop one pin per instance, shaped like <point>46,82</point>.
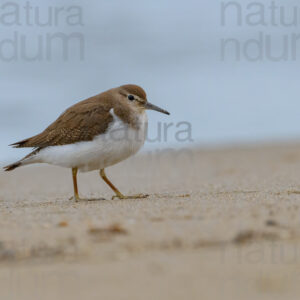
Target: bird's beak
<point>154,107</point>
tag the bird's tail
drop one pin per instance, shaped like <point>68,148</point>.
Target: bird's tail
<point>29,159</point>
<point>13,166</point>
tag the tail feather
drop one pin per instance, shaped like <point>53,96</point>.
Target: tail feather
<point>12,166</point>
<point>20,144</point>
<point>28,159</point>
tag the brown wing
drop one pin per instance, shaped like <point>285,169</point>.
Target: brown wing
<point>81,122</point>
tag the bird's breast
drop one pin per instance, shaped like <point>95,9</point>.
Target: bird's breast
<point>124,135</point>
<point>120,141</point>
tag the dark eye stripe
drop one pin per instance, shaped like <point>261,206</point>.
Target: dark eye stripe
<point>130,97</point>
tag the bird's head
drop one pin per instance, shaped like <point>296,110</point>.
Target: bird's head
<point>136,96</point>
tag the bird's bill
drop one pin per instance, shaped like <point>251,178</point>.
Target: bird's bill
<point>156,108</point>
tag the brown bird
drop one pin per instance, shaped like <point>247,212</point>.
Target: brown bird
<point>93,134</point>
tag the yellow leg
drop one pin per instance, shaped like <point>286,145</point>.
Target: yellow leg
<point>76,194</point>
<point>74,175</point>
<point>118,193</point>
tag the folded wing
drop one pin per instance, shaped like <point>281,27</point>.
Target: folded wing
<point>81,122</point>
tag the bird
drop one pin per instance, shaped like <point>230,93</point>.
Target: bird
<point>93,134</point>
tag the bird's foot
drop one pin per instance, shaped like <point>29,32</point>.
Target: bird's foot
<point>138,196</point>
<point>78,199</point>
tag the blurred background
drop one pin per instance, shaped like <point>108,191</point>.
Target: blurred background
<point>231,72</point>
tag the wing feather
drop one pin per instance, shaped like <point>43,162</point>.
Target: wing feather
<point>81,122</point>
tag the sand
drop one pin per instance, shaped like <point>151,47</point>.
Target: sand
<point>219,224</point>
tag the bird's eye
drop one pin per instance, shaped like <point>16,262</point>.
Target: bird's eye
<point>130,97</point>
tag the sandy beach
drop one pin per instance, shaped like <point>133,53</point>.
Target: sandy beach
<point>219,224</point>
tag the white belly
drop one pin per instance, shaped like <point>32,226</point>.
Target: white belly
<point>118,143</point>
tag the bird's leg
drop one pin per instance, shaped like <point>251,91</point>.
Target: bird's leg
<point>118,193</point>
<point>74,175</point>
<point>76,194</point>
